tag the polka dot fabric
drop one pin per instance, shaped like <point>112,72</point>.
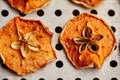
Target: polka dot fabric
<point>56,15</point>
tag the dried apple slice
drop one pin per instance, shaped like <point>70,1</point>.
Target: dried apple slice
<point>25,45</point>
<point>87,3</point>
<point>87,40</point>
<point>27,6</point>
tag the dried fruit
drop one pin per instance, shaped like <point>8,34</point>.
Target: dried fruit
<point>27,6</point>
<point>87,3</point>
<point>26,45</point>
<point>87,41</point>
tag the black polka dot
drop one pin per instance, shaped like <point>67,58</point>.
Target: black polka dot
<point>59,46</point>
<point>59,64</point>
<point>113,63</point>
<point>111,12</point>
<point>93,11</point>
<point>58,29</point>
<point>114,78</point>
<point>4,79</point>
<point>23,79</point>
<point>96,79</point>
<point>115,47</point>
<point>4,13</point>
<point>75,12</point>
<point>3,65</point>
<point>113,28</point>
<point>21,14</point>
<point>40,13</point>
<point>77,79</point>
<point>41,79</point>
<point>59,79</point>
<point>58,12</point>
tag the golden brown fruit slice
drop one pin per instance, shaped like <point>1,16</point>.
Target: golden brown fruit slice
<point>87,3</point>
<point>25,45</point>
<point>26,6</point>
<point>87,41</point>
